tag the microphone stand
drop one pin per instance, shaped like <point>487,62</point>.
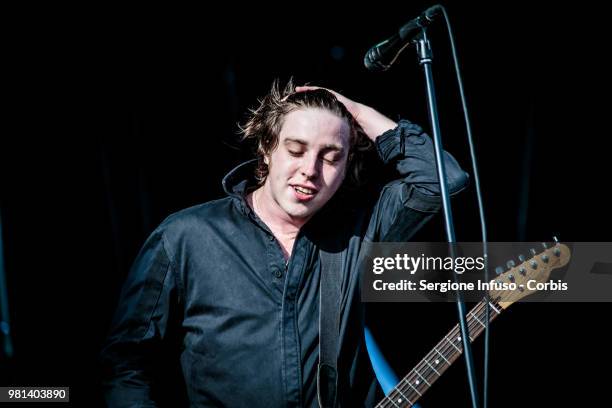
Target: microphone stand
<point>425,57</point>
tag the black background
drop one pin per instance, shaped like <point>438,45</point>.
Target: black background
<point>117,118</point>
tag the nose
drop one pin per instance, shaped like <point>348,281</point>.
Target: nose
<point>310,167</point>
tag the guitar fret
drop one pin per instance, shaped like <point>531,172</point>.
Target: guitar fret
<point>402,394</point>
<point>426,382</point>
<point>442,355</point>
<point>494,308</point>
<point>414,388</point>
<point>476,317</point>
<point>432,367</point>
<point>452,344</point>
<point>391,400</point>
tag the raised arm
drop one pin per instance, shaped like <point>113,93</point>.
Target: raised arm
<point>408,202</point>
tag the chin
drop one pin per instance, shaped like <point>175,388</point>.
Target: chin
<point>300,214</point>
<point>297,212</point>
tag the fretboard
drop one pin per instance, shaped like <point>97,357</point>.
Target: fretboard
<point>428,370</point>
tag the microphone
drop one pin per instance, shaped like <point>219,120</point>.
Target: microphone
<point>381,56</point>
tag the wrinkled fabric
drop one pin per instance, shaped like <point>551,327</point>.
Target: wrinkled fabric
<point>214,277</point>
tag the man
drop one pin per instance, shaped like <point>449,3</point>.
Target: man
<point>236,280</point>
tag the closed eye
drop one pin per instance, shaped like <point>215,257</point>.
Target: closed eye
<point>332,157</point>
<point>329,158</point>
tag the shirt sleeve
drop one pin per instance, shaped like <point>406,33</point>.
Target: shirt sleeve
<point>140,326</point>
<point>407,203</point>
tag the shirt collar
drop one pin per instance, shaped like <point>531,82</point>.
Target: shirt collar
<point>238,180</point>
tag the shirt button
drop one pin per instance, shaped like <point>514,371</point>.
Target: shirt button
<point>278,273</point>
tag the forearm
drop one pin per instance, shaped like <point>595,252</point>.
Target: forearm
<point>373,122</point>
<point>408,202</point>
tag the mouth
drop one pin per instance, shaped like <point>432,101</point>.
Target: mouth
<point>303,193</point>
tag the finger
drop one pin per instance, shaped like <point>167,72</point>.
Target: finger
<point>312,88</point>
<point>306,88</point>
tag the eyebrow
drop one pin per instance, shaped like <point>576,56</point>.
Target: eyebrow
<point>327,147</point>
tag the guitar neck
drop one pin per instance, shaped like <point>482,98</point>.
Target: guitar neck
<point>439,359</point>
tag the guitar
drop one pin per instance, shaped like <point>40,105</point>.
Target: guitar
<point>538,268</point>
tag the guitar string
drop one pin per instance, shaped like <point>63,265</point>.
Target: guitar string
<point>405,389</point>
<point>426,373</point>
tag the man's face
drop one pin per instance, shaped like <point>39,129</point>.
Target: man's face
<point>309,163</point>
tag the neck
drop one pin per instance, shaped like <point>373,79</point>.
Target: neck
<point>418,381</point>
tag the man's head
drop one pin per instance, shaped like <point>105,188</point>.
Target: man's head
<point>306,145</point>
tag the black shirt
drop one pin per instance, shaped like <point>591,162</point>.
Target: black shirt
<point>215,277</point>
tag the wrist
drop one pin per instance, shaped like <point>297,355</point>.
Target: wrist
<point>373,122</point>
